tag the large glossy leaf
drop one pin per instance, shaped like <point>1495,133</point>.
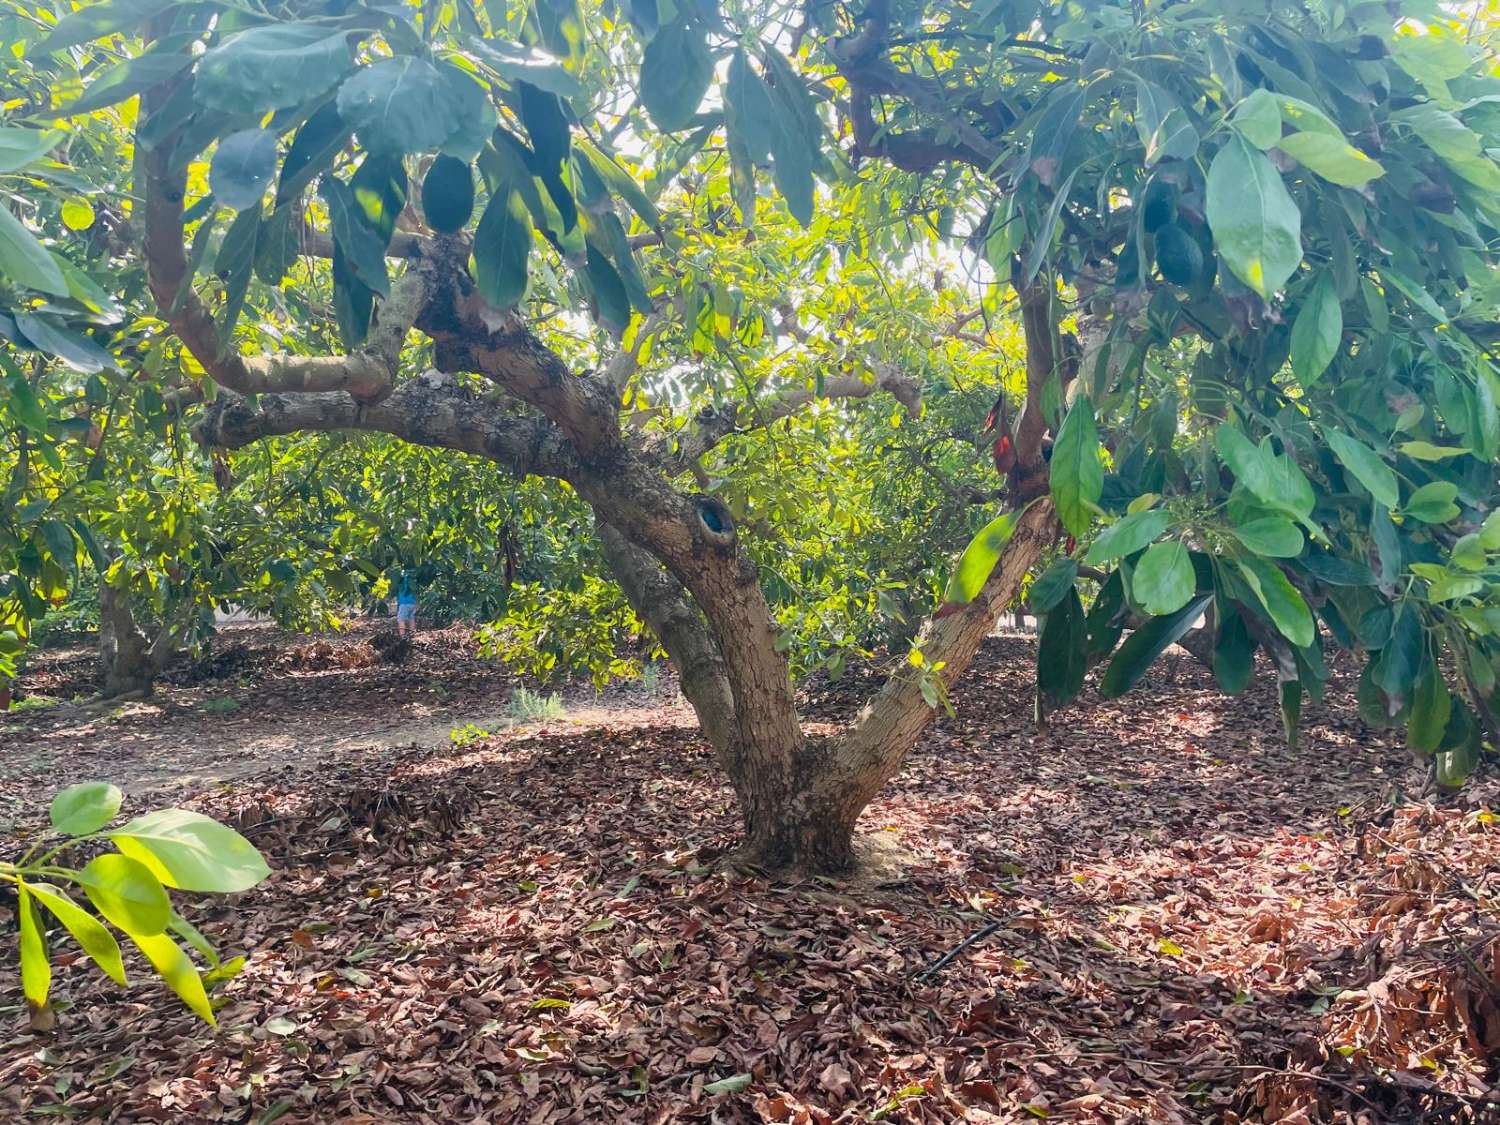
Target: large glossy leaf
<point>1271,536</point>
<point>1144,645</point>
<point>1257,226</point>
<point>127,79</point>
<point>979,558</point>
<point>519,63</point>
<point>273,67</point>
<point>20,147</point>
<point>36,968</point>
<point>362,246</point>
<point>1434,502</point>
<point>502,244</point>
<point>1258,117</point>
<point>1333,158</point>
<point>748,109</point>
<point>1076,473</point>
<point>192,852</point>
<point>174,967</point>
<point>1062,652</point>
<point>1163,580</point>
<point>675,72</point>
<point>1280,598</point>
<point>1052,584</point>
<point>1127,536</point>
<point>126,892</point>
<point>85,807</point>
<point>400,105</point>
<point>1366,466</point>
<point>1234,653</point>
<point>320,139</point>
<point>24,262</point>
<point>87,931</point>
<point>1317,331</point>
<point>52,336</point>
<point>242,167</point>
<point>1431,706</point>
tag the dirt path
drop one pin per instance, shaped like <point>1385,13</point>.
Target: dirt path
<point>265,702</point>
<point>1182,921</point>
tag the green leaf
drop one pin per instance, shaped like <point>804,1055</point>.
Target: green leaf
<point>1127,536</point>
<point>404,104</point>
<point>36,970</point>
<point>1468,552</point>
<point>94,21</point>
<point>1280,598</point>
<point>361,244</point>
<point>1076,475</point>
<point>194,937</point>
<point>174,967</point>
<point>1258,117</point>
<point>1317,331</point>
<point>1257,227</point>
<point>192,852</point>
<point>1062,652</point>
<point>1163,580</point>
<point>676,69</point>
<point>1054,129</point>
<point>76,350</point>
<point>1416,294</point>
<point>235,262</point>
<point>19,147</point>
<point>23,405</point>
<point>621,182</point>
<point>501,246</point>
<point>1365,465</point>
<point>749,111</point>
<point>62,548</point>
<point>92,937</point>
<point>1431,707</point>
<point>1426,451</point>
<point>1433,503</point>
<point>242,168</point>
<point>1451,587</point>
<point>1289,694</point>
<point>1144,645</point>
<point>322,137</point>
<point>1431,59</point>
<point>1271,536</point>
<point>518,63</point>
<point>24,261</point>
<point>84,808</point>
<point>1332,158</point>
<point>276,66</point>
<point>1050,587</point>
<point>127,79</point>
<point>1234,654</point>
<point>126,892</point>
<point>731,1085</point>
<point>979,558</point>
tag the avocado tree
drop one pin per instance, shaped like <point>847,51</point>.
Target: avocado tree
<point>1248,246</point>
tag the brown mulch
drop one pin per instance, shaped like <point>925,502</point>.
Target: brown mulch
<point>1183,922</point>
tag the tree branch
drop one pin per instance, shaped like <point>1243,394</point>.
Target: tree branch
<point>431,409</point>
<point>666,607</point>
<point>714,426</point>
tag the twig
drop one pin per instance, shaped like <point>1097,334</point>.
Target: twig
<point>948,958</point>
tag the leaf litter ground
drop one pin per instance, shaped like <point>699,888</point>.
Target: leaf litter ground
<point>1182,921</point>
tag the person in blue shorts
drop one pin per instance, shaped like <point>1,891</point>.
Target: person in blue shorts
<point>406,607</point>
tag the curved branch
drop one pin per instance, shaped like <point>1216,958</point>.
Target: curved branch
<point>714,426</point>
<point>431,409</point>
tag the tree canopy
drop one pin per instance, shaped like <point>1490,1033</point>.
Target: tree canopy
<point>742,280</point>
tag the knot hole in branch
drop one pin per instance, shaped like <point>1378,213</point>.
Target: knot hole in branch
<point>715,522</point>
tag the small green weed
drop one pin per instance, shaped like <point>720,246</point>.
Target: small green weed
<point>527,706</point>
<point>220,706</point>
<point>468,733</point>
<point>33,703</point>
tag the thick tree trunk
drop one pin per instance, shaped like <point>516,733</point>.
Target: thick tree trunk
<point>129,662</point>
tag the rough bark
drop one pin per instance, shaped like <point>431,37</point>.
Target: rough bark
<point>129,661</point>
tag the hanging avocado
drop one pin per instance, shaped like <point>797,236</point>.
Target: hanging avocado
<point>448,194</point>
<point>1158,205</point>
<point>1178,255</point>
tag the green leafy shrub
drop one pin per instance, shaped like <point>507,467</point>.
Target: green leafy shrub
<point>168,848</point>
